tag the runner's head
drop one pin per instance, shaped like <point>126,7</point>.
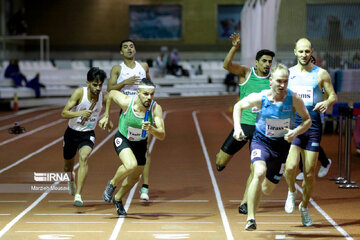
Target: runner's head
<point>95,80</point>
<point>303,51</point>
<point>279,78</point>
<point>146,91</point>
<point>127,48</point>
<point>263,61</point>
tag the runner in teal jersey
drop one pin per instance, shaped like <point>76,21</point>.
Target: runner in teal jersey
<point>250,80</point>
<point>129,143</point>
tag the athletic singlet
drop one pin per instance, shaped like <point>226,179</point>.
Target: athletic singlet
<point>126,73</point>
<point>90,123</point>
<point>306,86</point>
<point>130,123</point>
<point>253,84</point>
<point>273,118</point>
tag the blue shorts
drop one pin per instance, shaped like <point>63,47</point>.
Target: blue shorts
<point>274,157</point>
<point>310,140</point>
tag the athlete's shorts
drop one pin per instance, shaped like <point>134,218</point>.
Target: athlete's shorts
<point>74,140</point>
<point>310,140</point>
<point>275,158</point>
<point>232,146</point>
<point>138,147</point>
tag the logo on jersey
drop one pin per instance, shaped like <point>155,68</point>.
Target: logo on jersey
<point>287,108</point>
<point>255,153</point>
<point>118,141</point>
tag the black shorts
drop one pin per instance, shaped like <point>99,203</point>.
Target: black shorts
<point>138,147</point>
<point>232,146</point>
<point>74,140</point>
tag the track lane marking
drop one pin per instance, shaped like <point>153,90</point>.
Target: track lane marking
<point>213,180</point>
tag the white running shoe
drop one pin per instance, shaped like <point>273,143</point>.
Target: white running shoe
<point>72,185</point>
<point>324,170</point>
<point>290,202</point>
<point>300,176</point>
<point>144,194</point>
<point>305,216</point>
<point>78,201</point>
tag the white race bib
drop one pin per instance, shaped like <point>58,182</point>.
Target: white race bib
<point>275,127</point>
<point>306,93</point>
<point>134,134</point>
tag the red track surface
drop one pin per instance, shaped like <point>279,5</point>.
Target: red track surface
<point>189,199</point>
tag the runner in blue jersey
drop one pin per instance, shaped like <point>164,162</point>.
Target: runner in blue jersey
<point>273,133</point>
<point>308,81</point>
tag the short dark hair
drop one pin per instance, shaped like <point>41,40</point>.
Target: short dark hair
<point>96,73</point>
<point>124,41</point>
<point>263,52</point>
<point>147,82</point>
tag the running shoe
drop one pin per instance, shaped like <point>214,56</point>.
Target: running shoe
<point>119,207</point>
<point>144,193</point>
<point>78,201</point>
<point>108,192</point>
<point>220,168</point>
<point>72,185</point>
<point>250,225</point>
<point>305,216</point>
<point>290,202</point>
<point>243,209</point>
<point>300,176</point>
<point>324,170</point>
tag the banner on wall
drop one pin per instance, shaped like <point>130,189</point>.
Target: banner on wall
<point>228,20</point>
<point>155,22</point>
<point>258,28</point>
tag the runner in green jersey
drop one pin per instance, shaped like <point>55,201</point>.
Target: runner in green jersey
<point>129,143</point>
<point>250,80</point>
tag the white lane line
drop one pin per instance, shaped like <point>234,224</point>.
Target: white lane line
<point>12,201</point>
<point>29,119</point>
<point>32,131</point>
<point>287,232</point>
<point>5,214</point>
<point>326,216</point>
<point>275,215</point>
<point>274,201</point>
<point>170,231</point>
<point>228,118</point>
<point>67,222</point>
<point>156,222</point>
<point>59,232</point>
<point>31,154</point>
<point>280,223</point>
<point>38,200</point>
<point>73,214</point>
<point>65,201</point>
<point>177,201</point>
<point>176,214</point>
<point>22,112</point>
<point>121,220</point>
<point>213,180</point>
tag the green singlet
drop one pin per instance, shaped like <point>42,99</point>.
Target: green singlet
<point>130,124</point>
<point>253,84</point>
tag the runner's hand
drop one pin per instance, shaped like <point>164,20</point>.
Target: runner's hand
<point>289,135</point>
<point>134,80</point>
<point>103,122</point>
<point>239,134</point>
<point>235,37</point>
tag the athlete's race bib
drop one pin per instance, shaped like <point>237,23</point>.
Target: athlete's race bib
<point>306,93</point>
<point>275,127</point>
<point>134,134</point>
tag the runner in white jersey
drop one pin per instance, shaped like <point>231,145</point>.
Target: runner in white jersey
<point>83,111</point>
<point>125,78</point>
